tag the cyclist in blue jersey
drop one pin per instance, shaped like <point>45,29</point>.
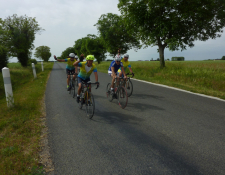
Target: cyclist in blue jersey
<point>113,70</point>
<point>70,68</point>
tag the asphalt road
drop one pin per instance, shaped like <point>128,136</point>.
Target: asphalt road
<point>161,131</point>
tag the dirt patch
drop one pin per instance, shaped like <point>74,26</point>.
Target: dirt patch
<point>45,157</point>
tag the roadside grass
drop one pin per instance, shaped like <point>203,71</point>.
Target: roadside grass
<point>205,77</point>
<point>20,126</point>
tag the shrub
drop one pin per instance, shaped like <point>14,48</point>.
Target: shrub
<point>3,57</point>
<point>32,61</point>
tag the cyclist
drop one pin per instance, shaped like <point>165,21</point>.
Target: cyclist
<point>70,69</point>
<point>86,68</point>
<point>126,64</point>
<point>113,68</point>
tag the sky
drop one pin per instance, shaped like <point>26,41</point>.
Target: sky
<point>66,21</point>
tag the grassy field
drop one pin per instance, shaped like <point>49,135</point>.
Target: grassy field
<point>205,77</point>
<point>20,126</point>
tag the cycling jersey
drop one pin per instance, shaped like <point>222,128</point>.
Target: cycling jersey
<point>126,64</point>
<point>70,65</point>
<point>85,71</point>
<point>116,66</point>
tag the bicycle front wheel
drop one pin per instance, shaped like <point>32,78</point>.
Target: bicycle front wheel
<point>90,105</point>
<point>122,97</point>
<point>129,87</point>
<point>108,92</point>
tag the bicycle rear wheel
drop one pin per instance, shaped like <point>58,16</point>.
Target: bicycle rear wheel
<point>122,97</point>
<point>90,105</point>
<point>76,82</point>
<point>108,92</point>
<point>73,88</point>
<point>129,87</point>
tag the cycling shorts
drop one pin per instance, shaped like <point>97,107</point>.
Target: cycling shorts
<point>80,80</point>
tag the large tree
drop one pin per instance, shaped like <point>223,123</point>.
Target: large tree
<point>66,52</point>
<point>3,50</point>
<point>43,52</point>
<point>173,24</point>
<point>21,35</point>
<point>78,46</point>
<point>114,34</point>
<point>93,45</point>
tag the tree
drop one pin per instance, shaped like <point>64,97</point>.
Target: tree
<point>93,45</point>
<point>114,34</point>
<point>173,24</point>
<point>66,52</point>
<point>78,46</point>
<point>21,35</point>
<point>3,57</point>
<point>43,52</point>
<point>223,58</point>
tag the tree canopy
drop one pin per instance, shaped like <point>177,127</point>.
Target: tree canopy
<point>21,32</point>
<point>173,24</point>
<point>66,52</point>
<point>43,52</point>
<point>114,34</point>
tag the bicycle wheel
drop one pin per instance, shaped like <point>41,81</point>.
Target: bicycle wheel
<point>73,88</point>
<point>129,87</point>
<point>76,82</point>
<point>90,105</point>
<point>122,97</point>
<point>81,103</point>
<point>70,85</point>
<point>108,92</point>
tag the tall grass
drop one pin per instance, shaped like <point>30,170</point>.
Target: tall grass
<point>20,126</point>
<point>206,77</point>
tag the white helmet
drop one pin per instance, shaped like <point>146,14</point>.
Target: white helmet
<point>76,57</point>
<point>126,55</point>
<point>118,58</point>
<point>71,55</point>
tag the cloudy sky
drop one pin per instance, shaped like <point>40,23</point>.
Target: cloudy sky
<point>66,21</point>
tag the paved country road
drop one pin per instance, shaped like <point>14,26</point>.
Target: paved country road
<point>161,131</point>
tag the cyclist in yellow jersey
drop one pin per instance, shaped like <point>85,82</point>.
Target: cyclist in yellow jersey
<point>86,69</point>
<point>70,68</point>
<point>126,64</point>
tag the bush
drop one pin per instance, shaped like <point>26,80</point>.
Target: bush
<point>223,58</point>
<point>3,57</point>
<point>32,61</point>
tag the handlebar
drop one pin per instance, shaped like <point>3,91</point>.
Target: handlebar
<point>131,74</point>
<point>88,83</point>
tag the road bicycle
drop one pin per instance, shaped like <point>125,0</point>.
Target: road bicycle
<point>120,93</point>
<point>87,99</point>
<point>128,85</point>
<point>72,84</point>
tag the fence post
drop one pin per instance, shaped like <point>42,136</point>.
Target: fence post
<point>42,66</point>
<point>34,71</point>
<point>8,87</point>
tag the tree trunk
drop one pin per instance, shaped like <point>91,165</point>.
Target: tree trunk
<point>161,56</point>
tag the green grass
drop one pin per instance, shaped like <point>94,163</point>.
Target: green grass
<point>20,126</point>
<point>205,77</point>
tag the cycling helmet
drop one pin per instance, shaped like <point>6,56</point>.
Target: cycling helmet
<point>118,58</point>
<point>71,55</point>
<point>90,57</point>
<point>126,55</point>
<point>76,57</point>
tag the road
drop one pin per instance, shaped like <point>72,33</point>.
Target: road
<point>161,131</point>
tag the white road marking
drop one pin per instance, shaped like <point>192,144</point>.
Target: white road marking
<point>207,96</point>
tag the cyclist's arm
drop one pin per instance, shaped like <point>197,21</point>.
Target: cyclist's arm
<point>96,76</point>
<point>131,71</point>
<point>113,72</point>
<point>76,63</point>
<point>123,72</point>
<point>60,60</point>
